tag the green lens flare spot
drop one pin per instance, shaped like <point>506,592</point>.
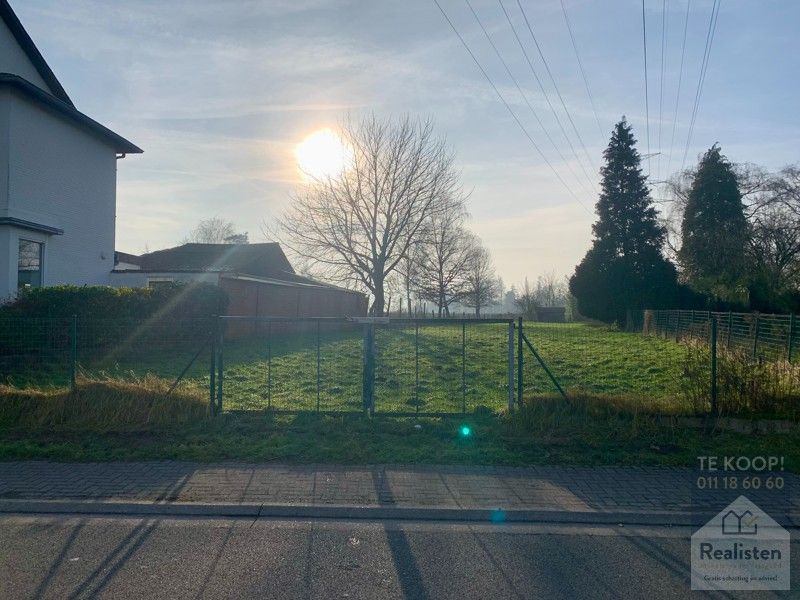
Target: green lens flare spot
<point>466,431</point>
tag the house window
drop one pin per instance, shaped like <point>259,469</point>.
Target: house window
<point>155,282</point>
<point>29,264</point>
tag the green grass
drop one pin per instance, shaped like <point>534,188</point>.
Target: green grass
<point>584,358</point>
<point>547,431</point>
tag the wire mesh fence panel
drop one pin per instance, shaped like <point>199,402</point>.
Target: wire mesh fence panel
<point>300,365</point>
<point>441,366</point>
<point>756,371</point>
<point>763,336</point>
<point>122,348</point>
<point>397,354</point>
<point>341,366</point>
<point>36,351</point>
<point>486,366</point>
<point>593,359</point>
<point>50,352</point>
<point>418,366</point>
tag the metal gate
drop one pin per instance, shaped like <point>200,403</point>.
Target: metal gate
<point>397,366</point>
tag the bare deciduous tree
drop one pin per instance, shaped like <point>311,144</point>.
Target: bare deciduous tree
<point>483,287</point>
<point>774,247</point>
<point>525,299</point>
<point>551,290</point>
<point>407,273</point>
<point>215,231</point>
<point>359,224</point>
<point>443,256</point>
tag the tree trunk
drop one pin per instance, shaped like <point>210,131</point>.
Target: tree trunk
<point>477,311</point>
<point>376,310</point>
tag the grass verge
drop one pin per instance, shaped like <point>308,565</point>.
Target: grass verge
<point>589,431</point>
<point>102,404</point>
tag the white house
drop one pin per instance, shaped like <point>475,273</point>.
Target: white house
<point>58,172</point>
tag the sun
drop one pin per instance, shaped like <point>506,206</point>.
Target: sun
<point>322,154</point>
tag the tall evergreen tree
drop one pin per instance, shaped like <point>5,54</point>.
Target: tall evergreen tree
<point>714,231</point>
<point>625,268</point>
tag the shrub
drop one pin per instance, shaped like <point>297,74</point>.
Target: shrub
<point>745,386</point>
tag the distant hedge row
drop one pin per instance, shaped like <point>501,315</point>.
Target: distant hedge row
<point>167,301</point>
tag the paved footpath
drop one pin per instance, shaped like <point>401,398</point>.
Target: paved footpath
<point>543,488</point>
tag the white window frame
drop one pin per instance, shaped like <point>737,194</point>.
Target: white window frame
<point>34,239</point>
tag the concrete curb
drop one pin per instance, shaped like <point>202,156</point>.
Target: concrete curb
<point>370,513</point>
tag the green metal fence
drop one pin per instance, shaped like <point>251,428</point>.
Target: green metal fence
<point>385,366</point>
<point>420,366</point>
<point>763,336</point>
<point>741,363</point>
<point>46,352</point>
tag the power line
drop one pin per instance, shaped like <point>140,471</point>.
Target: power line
<point>680,80</point>
<point>505,103</point>
<point>664,24</point>
<point>646,96</point>
<point>519,88</point>
<point>544,93</point>
<point>712,28</point>
<point>553,81</point>
<point>583,73</point>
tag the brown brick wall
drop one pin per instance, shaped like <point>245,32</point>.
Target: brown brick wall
<point>252,298</point>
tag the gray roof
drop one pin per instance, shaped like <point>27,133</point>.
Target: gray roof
<point>263,260</point>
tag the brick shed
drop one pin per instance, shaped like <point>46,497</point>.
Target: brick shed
<point>259,279</point>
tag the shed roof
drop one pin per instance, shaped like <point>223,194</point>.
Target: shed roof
<point>264,260</point>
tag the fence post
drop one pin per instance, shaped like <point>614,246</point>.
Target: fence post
<point>714,407</point>
<point>730,329</point>
<point>269,365</point>
<point>519,363</point>
<point>212,371</point>
<point>368,387</point>
<point>677,324</point>
<point>511,365</point>
<point>755,337</point>
<point>73,375</point>
<point>790,341</point>
<point>463,367</point>
<point>317,366</point>
<point>416,365</point>
<point>220,363</point>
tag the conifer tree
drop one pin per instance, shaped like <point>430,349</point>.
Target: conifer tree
<point>714,231</point>
<point>625,269</point>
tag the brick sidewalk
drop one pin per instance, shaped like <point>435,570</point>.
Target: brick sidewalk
<point>530,488</point>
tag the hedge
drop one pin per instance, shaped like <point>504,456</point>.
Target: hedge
<point>37,325</point>
<point>168,301</point>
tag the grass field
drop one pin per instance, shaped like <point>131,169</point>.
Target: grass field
<point>281,371</point>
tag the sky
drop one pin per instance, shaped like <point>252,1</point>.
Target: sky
<point>219,94</point>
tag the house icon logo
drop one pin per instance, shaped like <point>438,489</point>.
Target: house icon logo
<point>734,523</point>
<point>741,548</point>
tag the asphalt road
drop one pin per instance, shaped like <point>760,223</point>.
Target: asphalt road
<point>82,557</point>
